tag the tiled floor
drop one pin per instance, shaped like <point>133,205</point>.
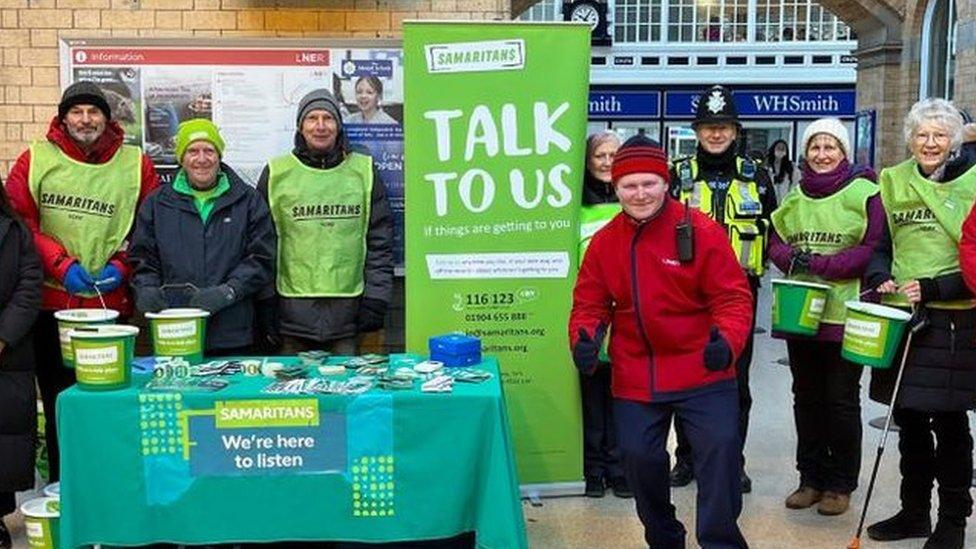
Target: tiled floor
<point>571,522</point>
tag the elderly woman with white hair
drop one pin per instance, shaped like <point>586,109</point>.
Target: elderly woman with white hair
<point>917,266</point>
<point>840,201</point>
<point>601,460</point>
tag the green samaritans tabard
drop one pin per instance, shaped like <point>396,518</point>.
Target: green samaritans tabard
<point>495,125</point>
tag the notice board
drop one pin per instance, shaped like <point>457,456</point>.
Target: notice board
<point>250,89</point>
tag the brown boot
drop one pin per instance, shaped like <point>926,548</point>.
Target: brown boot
<point>834,503</point>
<point>803,497</point>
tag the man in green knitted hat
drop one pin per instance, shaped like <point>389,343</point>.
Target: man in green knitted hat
<point>206,241</point>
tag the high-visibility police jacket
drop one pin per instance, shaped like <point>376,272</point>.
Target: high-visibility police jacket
<point>739,210</point>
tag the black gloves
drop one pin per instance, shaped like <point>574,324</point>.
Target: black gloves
<point>214,298</point>
<point>371,315</point>
<point>150,299</point>
<point>929,290</point>
<point>718,354</point>
<point>800,261</point>
<point>586,353</point>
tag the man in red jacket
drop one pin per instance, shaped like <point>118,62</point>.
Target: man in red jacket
<point>680,317</point>
<point>78,192</point>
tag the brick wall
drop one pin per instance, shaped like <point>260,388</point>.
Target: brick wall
<point>29,32</point>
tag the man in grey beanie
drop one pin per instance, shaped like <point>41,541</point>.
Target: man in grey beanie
<point>334,278</point>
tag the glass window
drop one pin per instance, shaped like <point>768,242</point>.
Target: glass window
<point>708,20</point>
<point>544,10</point>
<point>637,21</point>
<point>798,21</point>
<point>938,51</point>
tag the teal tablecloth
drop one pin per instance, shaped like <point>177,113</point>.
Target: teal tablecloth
<point>240,465</point>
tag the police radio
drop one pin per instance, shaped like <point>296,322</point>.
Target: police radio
<point>685,237</point>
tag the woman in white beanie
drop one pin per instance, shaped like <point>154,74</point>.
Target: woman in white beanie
<point>825,231</point>
<point>917,266</point>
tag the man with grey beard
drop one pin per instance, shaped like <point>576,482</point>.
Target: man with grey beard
<point>78,191</point>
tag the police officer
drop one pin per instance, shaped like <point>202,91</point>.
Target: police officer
<point>732,190</point>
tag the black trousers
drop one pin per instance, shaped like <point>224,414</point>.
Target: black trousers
<point>827,412</point>
<point>8,503</point>
<point>52,378</point>
<point>947,458</point>
<point>710,420</point>
<point>601,458</point>
<point>246,350</point>
<point>682,453</point>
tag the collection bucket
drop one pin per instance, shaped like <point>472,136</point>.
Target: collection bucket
<point>798,306</point>
<point>103,356</point>
<point>70,319</point>
<point>179,332</point>
<point>872,333</point>
<point>53,490</point>
<point>41,518</point>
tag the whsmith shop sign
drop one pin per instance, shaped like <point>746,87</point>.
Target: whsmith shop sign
<point>644,104</point>
<point>813,103</point>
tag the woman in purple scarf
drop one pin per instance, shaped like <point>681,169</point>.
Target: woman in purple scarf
<point>824,231</point>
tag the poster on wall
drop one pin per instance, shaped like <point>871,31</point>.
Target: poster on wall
<point>864,137</point>
<point>251,92</point>
<point>493,183</point>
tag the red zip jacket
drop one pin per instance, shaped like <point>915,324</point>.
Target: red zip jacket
<point>967,250</point>
<point>54,257</point>
<point>660,310</point>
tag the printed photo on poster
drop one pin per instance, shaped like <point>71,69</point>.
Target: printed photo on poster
<point>370,86</point>
<point>122,90</point>
<point>172,96</point>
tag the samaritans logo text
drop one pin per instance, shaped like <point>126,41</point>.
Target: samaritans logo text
<point>77,204</point>
<point>815,237</point>
<point>101,355</point>
<point>909,217</point>
<point>326,211</point>
<point>494,55</point>
<point>237,414</point>
<point>174,330</point>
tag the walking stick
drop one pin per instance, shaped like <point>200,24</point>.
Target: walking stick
<point>856,540</point>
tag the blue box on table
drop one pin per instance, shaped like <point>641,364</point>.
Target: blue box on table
<point>455,350</point>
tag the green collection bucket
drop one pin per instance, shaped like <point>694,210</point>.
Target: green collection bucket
<point>872,333</point>
<point>70,319</point>
<point>179,332</point>
<point>798,306</point>
<point>41,518</point>
<point>103,356</point>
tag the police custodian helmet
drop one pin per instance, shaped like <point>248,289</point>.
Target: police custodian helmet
<point>716,106</point>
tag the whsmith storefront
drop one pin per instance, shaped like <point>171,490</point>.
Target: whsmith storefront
<point>767,114</point>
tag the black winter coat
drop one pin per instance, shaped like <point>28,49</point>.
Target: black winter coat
<point>20,300</point>
<point>331,318</point>
<point>172,246</point>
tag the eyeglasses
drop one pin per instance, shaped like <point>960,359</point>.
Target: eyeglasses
<point>938,137</point>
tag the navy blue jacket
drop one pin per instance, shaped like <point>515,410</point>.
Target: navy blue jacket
<point>172,246</point>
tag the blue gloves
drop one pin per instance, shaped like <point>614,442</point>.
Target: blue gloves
<point>109,278</point>
<point>718,354</point>
<point>586,353</point>
<point>77,280</point>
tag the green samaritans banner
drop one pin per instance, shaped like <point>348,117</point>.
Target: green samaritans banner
<point>495,123</point>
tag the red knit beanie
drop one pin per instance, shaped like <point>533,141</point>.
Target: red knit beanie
<point>640,155</point>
